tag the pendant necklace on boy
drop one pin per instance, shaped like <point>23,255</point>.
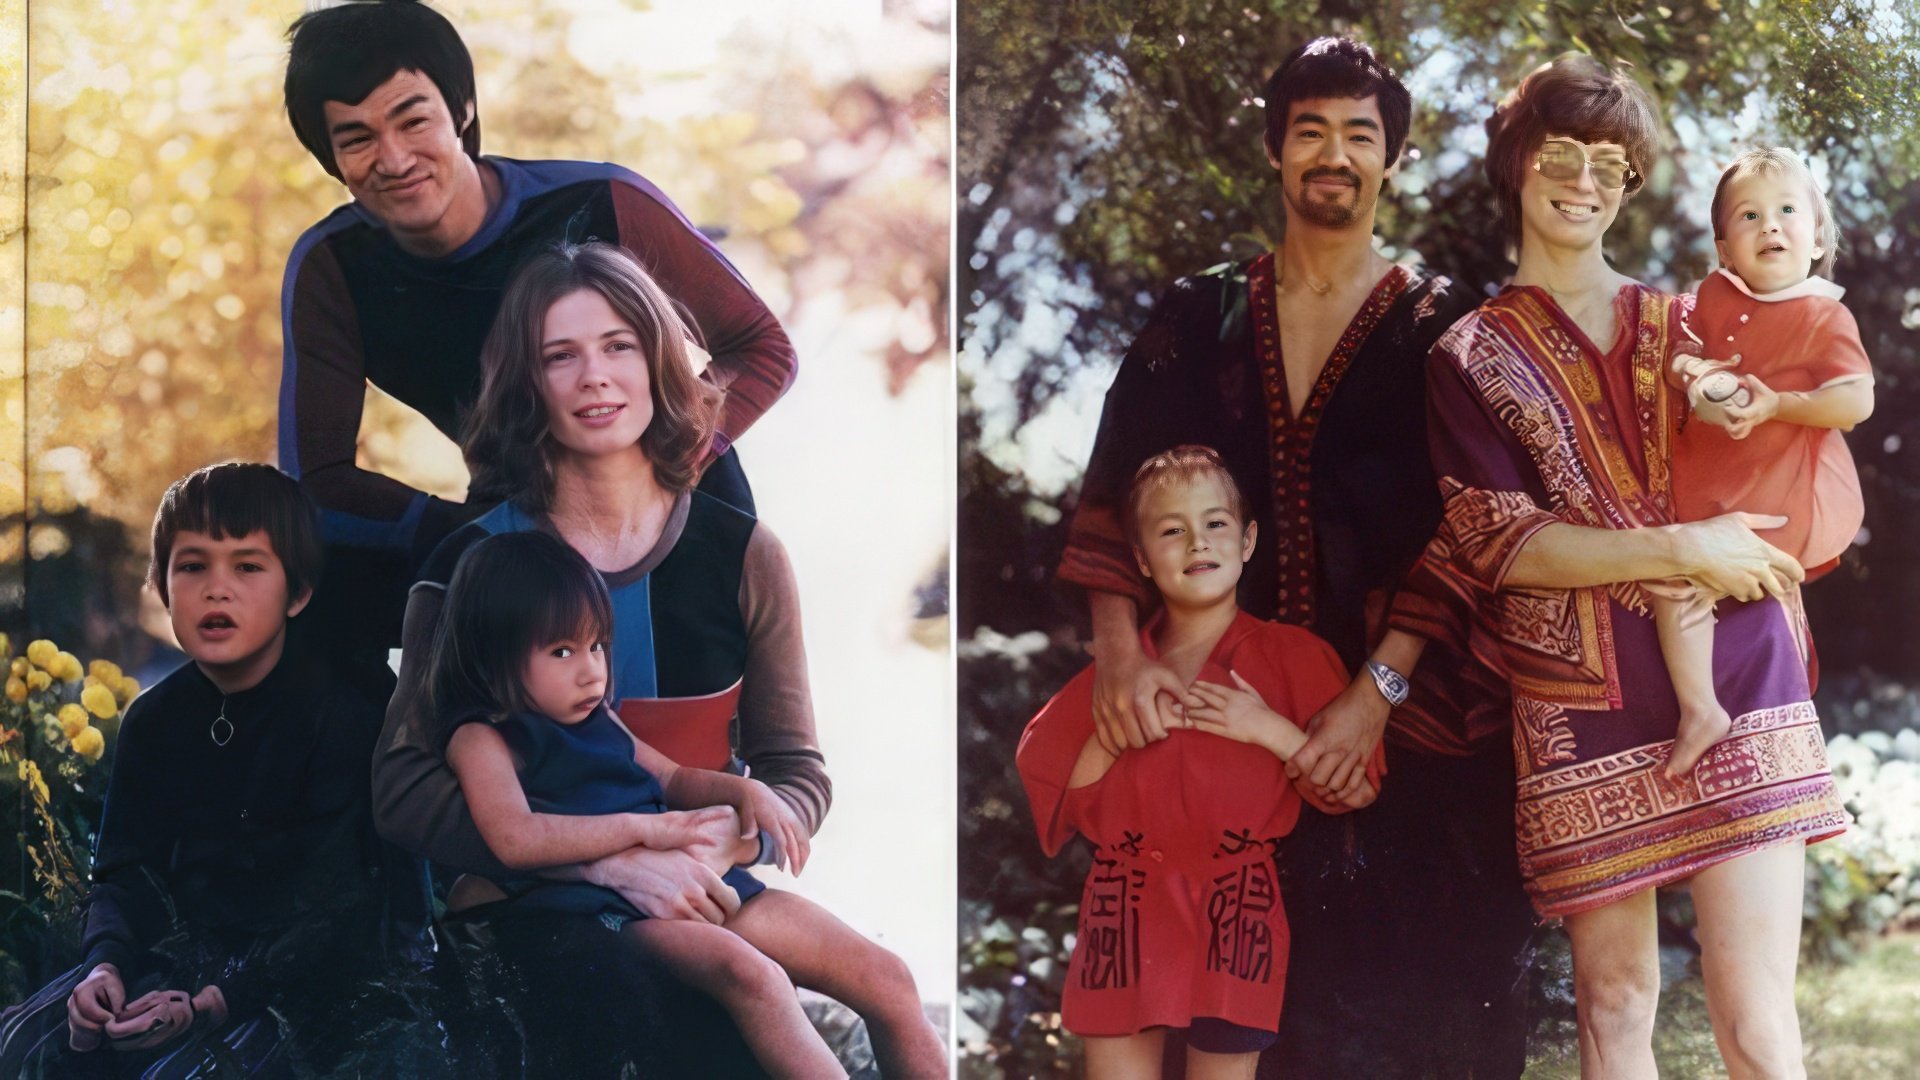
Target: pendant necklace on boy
<point>221,730</point>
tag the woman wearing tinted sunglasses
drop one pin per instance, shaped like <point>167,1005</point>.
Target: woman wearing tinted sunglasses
<point>1551,434</point>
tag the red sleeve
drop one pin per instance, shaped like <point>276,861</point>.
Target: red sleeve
<point>753,362</point>
<point>1045,758</point>
<point>1838,353</point>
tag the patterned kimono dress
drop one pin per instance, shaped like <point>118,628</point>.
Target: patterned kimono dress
<point>1532,425</point>
<point>1181,917</point>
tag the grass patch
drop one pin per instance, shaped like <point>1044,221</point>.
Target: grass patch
<point>1857,1021</point>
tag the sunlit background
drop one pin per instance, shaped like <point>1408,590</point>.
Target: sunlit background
<point>164,189</point>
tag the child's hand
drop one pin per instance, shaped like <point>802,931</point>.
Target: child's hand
<point>162,1016</point>
<point>1764,406</point>
<point>777,817</point>
<point>678,829</point>
<point>716,839</point>
<point>1239,714</point>
<point>93,1002</point>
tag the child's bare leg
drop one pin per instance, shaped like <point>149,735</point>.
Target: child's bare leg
<point>1616,987</point>
<point>1125,1057</point>
<point>748,984</point>
<point>822,953</point>
<point>1686,640</point>
<point>1749,912</point>
<point>1202,1065</point>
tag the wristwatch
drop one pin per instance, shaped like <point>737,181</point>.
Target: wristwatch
<point>1392,685</point>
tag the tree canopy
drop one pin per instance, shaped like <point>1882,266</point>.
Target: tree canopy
<point>1109,148</point>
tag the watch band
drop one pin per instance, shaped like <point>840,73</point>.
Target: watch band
<point>1392,685</point>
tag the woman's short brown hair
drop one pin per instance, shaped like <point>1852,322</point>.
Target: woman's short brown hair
<point>507,443</point>
<point>1580,98</point>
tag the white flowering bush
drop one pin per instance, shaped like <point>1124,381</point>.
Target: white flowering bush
<point>1868,880</point>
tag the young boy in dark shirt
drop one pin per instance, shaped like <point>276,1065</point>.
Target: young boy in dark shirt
<point>233,870</point>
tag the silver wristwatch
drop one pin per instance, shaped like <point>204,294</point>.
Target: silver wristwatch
<point>1392,685</point>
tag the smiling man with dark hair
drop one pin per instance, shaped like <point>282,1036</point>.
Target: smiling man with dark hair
<point>399,287</point>
<point>1408,922</point>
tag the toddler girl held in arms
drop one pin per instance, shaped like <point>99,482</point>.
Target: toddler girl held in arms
<point>520,689</point>
<point>1782,374</point>
<point>1181,923</point>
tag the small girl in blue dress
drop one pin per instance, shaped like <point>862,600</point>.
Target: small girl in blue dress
<point>519,686</point>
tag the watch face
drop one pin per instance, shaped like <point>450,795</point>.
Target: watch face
<point>1393,685</point>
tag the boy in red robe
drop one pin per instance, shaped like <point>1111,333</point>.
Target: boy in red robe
<point>1181,924</point>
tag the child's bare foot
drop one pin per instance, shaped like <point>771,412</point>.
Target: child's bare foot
<point>1700,728</point>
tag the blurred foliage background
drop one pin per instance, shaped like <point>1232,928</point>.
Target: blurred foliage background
<point>161,189</point>
<point>1108,148</point>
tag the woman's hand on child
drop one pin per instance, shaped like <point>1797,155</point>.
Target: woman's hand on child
<point>666,884</point>
<point>1764,406</point>
<point>93,1003</point>
<point>1724,556</point>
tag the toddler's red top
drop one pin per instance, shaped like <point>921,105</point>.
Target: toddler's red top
<point>1181,917</point>
<point>1797,339</point>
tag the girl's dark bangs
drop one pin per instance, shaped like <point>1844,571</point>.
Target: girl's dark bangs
<point>570,608</point>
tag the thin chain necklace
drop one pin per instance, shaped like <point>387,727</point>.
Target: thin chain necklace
<point>1320,288</point>
<point>221,730</point>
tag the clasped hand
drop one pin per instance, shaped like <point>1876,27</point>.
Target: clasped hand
<point>1763,404</point>
<point>728,834</point>
<point>1341,739</point>
<point>97,1009</point>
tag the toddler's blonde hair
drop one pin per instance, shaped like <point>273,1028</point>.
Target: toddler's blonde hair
<point>1768,160</point>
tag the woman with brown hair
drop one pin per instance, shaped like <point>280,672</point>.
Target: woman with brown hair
<point>591,425</point>
<point>1550,430</point>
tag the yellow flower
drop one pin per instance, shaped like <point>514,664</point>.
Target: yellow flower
<point>38,680</point>
<point>16,691</point>
<point>67,668</point>
<point>99,701</point>
<point>105,670</point>
<point>90,744</point>
<point>127,689</point>
<point>6,645</point>
<point>19,668</point>
<point>30,775</point>
<point>73,719</point>
<point>42,653</point>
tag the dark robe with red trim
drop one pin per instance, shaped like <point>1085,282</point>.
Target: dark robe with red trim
<point>1410,923</point>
